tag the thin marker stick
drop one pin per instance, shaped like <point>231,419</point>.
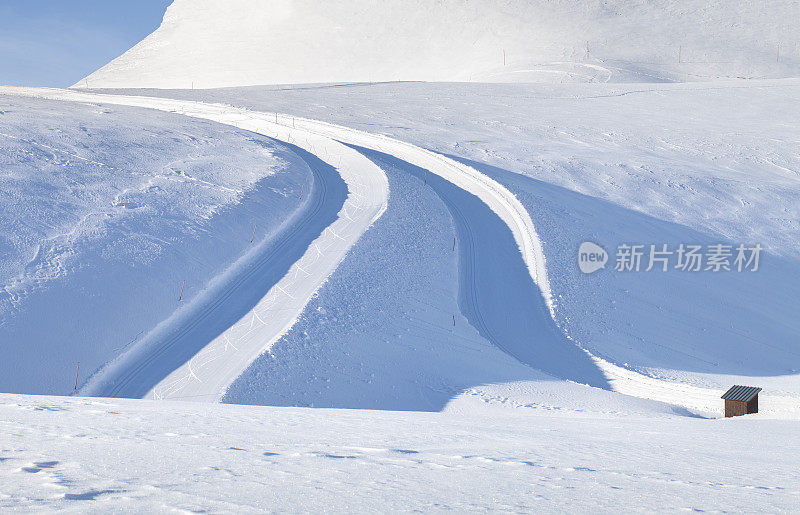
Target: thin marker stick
<point>76,375</point>
<point>254,234</point>
<point>180,297</point>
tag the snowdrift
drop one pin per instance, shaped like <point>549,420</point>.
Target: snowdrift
<point>220,43</point>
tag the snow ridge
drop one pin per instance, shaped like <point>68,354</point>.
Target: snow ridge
<point>222,43</point>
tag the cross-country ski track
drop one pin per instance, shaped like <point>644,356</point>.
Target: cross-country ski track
<point>204,346</point>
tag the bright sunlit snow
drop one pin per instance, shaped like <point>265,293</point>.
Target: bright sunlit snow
<point>215,43</point>
<point>322,292</point>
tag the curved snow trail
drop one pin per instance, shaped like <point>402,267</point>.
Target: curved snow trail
<point>210,372</point>
<point>494,290</point>
<point>207,374</point>
<point>231,300</point>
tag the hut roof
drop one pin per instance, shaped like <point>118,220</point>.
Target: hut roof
<point>741,393</point>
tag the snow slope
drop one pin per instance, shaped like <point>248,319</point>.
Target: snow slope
<point>107,210</point>
<point>102,455</point>
<point>225,328</point>
<point>668,364</point>
<point>655,164</point>
<point>387,331</point>
<point>218,43</point>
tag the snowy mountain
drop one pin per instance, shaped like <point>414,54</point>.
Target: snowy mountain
<point>392,269</point>
<point>220,43</point>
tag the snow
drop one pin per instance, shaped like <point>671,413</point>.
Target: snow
<point>411,309</point>
<point>202,347</point>
<point>101,455</point>
<point>107,210</point>
<point>685,365</point>
<point>610,163</point>
<point>220,43</point>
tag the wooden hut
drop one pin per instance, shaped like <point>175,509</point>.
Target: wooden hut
<point>741,400</point>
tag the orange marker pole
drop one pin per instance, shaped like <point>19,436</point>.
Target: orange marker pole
<point>301,191</point>
<point>180,297</point>
<point>76,375</point>
<point>254,234</point>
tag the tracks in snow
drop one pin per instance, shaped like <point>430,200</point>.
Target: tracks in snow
<point>209,370</point>
<point>207,374</point>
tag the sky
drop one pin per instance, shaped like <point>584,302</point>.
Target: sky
<point>56,43</point>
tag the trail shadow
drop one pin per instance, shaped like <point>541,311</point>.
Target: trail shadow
<point>496,292</point>
<point>725,323</point>
<point>380,333</point>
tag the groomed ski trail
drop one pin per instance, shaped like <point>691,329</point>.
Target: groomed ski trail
<point>209,373</point>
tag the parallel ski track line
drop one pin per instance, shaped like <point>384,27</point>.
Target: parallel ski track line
<point>371,197</point>
<point>495,293</point>
<point>226,356</point>
<point>179,347</point>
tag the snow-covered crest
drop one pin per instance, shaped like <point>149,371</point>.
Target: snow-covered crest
<point>219,43</point>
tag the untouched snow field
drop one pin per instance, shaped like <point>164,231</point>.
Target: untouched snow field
<point>218,43</point>
<point>101,455</point>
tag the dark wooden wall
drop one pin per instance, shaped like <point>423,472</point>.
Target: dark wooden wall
<point>737,408</point>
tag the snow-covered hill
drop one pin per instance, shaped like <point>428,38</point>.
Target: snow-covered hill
<point>406,246</point>
<point>672,163</point>
<point>218,43</point>
<point>108,213</point>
